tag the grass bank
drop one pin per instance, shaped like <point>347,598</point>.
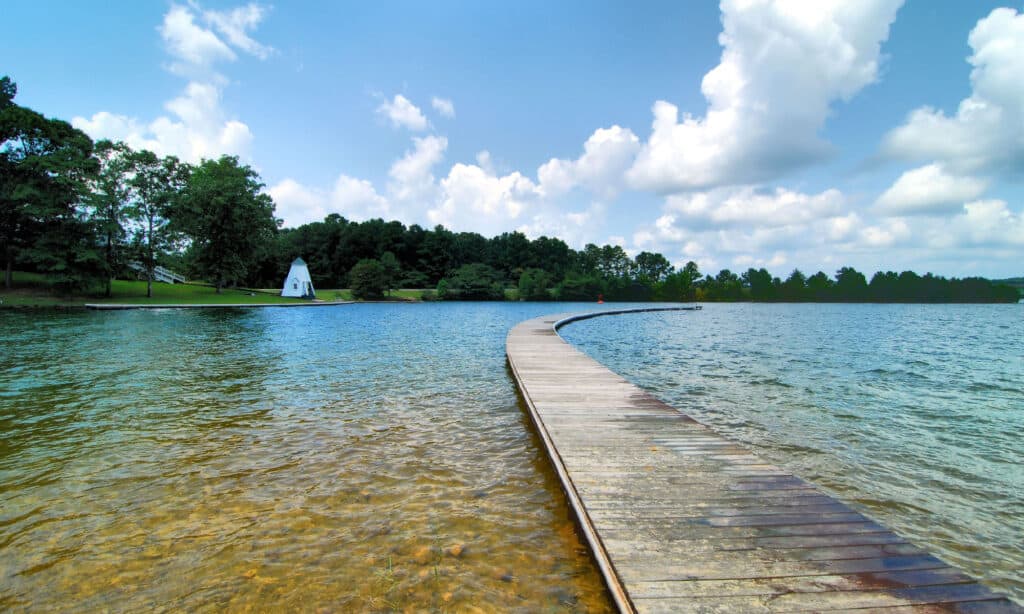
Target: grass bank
<point>33,290</point>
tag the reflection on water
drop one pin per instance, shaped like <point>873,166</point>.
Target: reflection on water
<point>367,457</point>
<point>913,413</point>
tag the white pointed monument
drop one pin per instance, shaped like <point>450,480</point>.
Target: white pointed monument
<point>298,284</point>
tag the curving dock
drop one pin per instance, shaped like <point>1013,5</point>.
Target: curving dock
<point>680,519</point>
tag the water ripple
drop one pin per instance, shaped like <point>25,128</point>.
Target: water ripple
<point>365,458</point>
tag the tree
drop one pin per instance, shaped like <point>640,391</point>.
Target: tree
<point>226,218</point>
<point>760,283</point>
<point>535,285</point>
<point>155,184</point>
<point>12,215</point>
<point>613,262</point>
<point>108,201</point>
<point>819,287</point>
<point>794,289</point>
<point>726,286</point>
<point>472,282</point>
<point>45,166</point>
<point>652,267</point>
<point>580,287</point>
<point>851,285</point>
<point>391,269</point>
<point>367,279</point>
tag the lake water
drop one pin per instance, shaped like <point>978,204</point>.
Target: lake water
<point>914,414</point>
<point>376,457</point>
<point>351,458</point>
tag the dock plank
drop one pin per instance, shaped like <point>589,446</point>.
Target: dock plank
<point>681,519</point>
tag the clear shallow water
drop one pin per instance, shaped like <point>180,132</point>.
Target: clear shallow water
<point>912,413</point>
<point>356,458</point>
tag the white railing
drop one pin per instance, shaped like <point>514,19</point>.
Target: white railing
<point>160,273</point>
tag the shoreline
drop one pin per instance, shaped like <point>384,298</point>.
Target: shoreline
<point>127,306</point>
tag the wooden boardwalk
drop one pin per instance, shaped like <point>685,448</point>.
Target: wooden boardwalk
<point>680,519</point>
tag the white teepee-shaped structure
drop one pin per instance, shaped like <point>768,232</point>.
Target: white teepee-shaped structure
<point>298,283</point>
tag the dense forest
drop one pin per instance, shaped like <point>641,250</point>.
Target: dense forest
<point>83,213</point>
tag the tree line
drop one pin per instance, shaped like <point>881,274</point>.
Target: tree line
<point>84,213</point>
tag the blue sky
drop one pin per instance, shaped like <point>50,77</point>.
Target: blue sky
<point>879,134</point>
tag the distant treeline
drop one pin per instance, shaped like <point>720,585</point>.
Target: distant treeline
<point>374,256</point>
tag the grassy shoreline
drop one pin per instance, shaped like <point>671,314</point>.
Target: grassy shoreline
<point>32,291</point>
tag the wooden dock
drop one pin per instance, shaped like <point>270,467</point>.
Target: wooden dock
<point>680,519</point>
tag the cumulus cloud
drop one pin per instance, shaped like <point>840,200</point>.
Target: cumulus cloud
<point>928,190</point>
<point>479,200</point>
<point>443,106</point>
<point>411,175</point>
<point>606,156</point>
<point>777,229</point>
<point>297,204</point>
<point>403,114</point>
<point>190,43</point>
<point>782,65</point>
<point>197,125</point>
<point>986,135</point>
<point>987,223</point>
<point>752,207</point>
<point>886,234</point>
<point>354,199</point>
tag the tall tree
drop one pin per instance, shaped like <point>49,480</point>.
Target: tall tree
<point>392,270</point>
<point>226,217</point>
<point>11,214</point>
<point>108,201</point>
<point>652,267</point>
<point>851,285</point>
<point>45,165</point>
<point>155,184</point>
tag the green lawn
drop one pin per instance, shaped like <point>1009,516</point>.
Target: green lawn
<point>31,289</point>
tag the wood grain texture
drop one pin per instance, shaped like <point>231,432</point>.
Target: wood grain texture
<point>680,519</point>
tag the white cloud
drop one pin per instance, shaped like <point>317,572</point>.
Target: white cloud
<point>190,43</point>
<point>196,129</point>
<point>475,199</point>
<point>750,207</point>
<point>357,199</point>
<point>198,126</point>
<point>297,204</point>
<point>235,24</point>
<point>988,223</point>
<point>411,175</point>
<point>782,65</point>
<point>928,190</point>
<point>403,113</point>
<point>606,156</point>
<point>443,106</point>
<point>776,229</point>
<point>885,235</point>
<point>987,132</point>
<point>747,261</point>
<point>576,228</point>
<point>354,199</point>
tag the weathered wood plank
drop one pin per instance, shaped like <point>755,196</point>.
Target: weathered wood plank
<point>681,519</point>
